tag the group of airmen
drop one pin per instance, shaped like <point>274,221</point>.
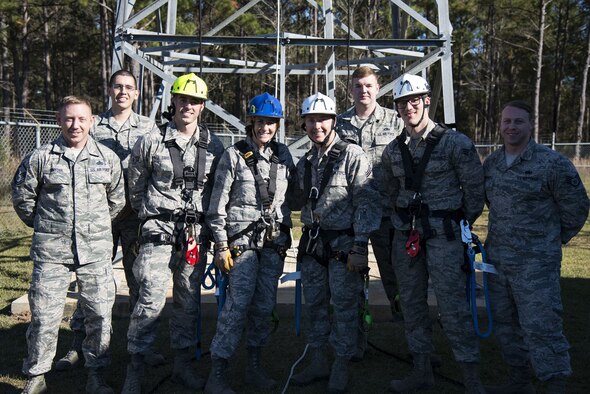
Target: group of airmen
<point>391,177</point>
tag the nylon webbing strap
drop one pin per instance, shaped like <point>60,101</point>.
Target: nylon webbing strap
<point>333,156</point>
<point>266,191</point>
<point>415,173</point>
<point>178,165</point>
<point>201,159</point>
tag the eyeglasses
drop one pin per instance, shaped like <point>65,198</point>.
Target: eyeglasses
<point>126,87</point>
<point>403,104</point>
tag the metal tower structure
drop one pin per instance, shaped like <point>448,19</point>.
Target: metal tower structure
<point>165,53</point>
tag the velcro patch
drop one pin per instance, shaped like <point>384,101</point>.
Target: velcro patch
<point>573,180</point>
<point>21,174</point>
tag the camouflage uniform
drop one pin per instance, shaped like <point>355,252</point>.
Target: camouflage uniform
<point>536,204</point>
<point>373,135</point>
<point>235,205</point>
<point>348,204</point>
<point>70,203</point>
<point>153,197</point>
<point>120,139</point>
<point>452,181</point>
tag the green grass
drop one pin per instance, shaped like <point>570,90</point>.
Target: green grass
<point>371,375</point>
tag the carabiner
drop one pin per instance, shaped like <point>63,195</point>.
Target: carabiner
<point>314,193</point>
<point>262,217</point>
<point>466,235</point>
<point>314,231</point>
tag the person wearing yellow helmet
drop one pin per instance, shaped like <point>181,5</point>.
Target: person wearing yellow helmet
<point>169,173</point>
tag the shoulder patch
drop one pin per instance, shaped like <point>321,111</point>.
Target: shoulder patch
<point>573,180</point>
<point>21,174</point>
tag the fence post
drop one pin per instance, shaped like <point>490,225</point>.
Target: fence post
<point>38,135</point>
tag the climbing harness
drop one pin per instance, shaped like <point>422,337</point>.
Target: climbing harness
<point>266,191</point>
<point>414,172</point>
<point>470,239</point>
<point>184,236</point>
<point>310,235</point>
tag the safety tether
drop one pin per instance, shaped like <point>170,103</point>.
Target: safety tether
<point>470,240</point>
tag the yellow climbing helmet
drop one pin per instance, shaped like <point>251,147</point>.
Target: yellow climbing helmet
<point>190,85</point>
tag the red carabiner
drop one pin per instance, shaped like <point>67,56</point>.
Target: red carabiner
<point>192,251</point>
<point>413,243</point>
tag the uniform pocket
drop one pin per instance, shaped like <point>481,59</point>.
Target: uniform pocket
<point>99,174</point>
<point>58,175</point>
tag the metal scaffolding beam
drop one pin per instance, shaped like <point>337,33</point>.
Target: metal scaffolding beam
<point>165,53</point>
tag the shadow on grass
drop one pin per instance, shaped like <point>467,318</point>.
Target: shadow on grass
<point>386,359</point>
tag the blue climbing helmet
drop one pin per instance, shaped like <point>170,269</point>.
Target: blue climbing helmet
<point>265,105</point>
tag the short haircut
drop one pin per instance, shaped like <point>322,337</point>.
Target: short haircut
<point>520,104</point>
<point>124,73</point>
<point>364,71</point>
<point>70,100</point>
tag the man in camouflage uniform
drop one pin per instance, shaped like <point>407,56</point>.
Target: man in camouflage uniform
<point>339,210</point>
<point>429,197</point>
<point>168,182</point>
<point>537,203</point>
<point>118,128</point>
<point>372,127</point>
<point>251,225</point>
<point>69,191</point>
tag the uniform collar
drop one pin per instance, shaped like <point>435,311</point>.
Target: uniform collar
<point>429,127</point>
<point>172,133</point>
<point>315,152</point>
<point>266,152</point>
<point>59,147</point>
<point>527,153</point>
<point>107,118</point>
<point>377,115</point>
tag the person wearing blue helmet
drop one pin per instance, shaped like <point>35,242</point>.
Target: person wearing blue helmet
<point>250,223</point>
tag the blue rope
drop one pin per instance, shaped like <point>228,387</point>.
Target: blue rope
<point>217,279</point>
<point>208,275</point>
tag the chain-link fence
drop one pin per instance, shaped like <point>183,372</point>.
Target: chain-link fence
<point>23,130</point>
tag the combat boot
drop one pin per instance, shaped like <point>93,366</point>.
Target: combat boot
<point>471,380</point>
<point>134,376</point>
<point>216,383</point>
<point>153,358</point>
<point>338,376</point>
<point>519,382</point>
<point>74,357</point>
<point>255,374</point>
<point>96,383</point>
<point>556,385</point>
<point>35,385</point>
<point>183,372</point>
<point>317,370</point>
<point>421,376</point>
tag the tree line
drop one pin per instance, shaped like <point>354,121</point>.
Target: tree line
<point>537,50</point>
